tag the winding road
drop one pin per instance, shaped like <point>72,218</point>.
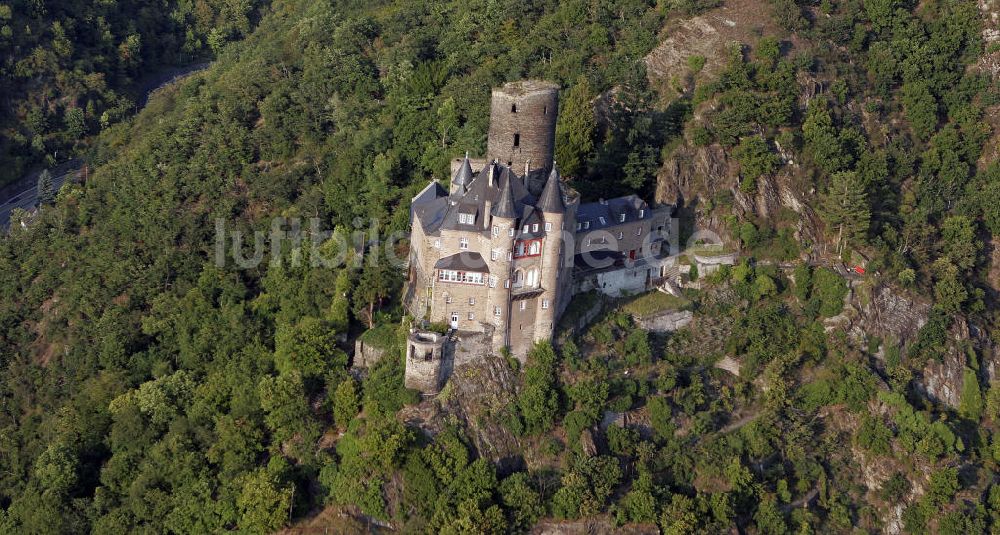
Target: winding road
<point>24,192</point>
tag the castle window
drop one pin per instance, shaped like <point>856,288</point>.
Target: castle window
<point>524,230</point>
<point>642,213</point>
<point>519,249</point>
<point>548,227</point>
<point>437,244</point>
<point>517,140</point>
<point>518,278</point>
<point>603,221</point>
<point>447,299</point>
<point>472,300</point>
<point>496,231</point>
<point>524,305</point>
<point>532,278</point>
<point>493,281</point>
<point>513,108</point>
<point>586,225</point>
<point>496,311</point>
<point>621,235</point>
<point>545,110</point>
<point>579,226</point>
<point>467,219</point>
<point>638,231</point>
<point>534,228</point>
<point>471,316</point>
<point>506,283</point>
<point>534,249</point>
<point>463,243</point>
<point>589,241</point>
<point>511,232</point>
<point>494,255</point>
<point>545,303</point>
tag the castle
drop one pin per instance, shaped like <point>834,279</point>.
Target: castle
<point>501,253</point>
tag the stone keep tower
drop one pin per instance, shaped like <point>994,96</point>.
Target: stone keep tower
<point>424,356</point>
<point>523,126</point>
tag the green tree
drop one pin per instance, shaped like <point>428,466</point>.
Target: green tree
<point>921,108</point>
<point>263,504</point>
<point>46,192</point>
<point>310,347</point>
<point>339,314</point>
<point>971,400</point>
<point>756,160</point>
<point>346,402</point>
<point>846,208</point>
<point>575,129</point>
<point>539,399</point>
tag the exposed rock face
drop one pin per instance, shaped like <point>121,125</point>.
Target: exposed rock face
<point>893,315</point>
<point>474,393</point>
<point>694,171</point>
<point>942,381</point>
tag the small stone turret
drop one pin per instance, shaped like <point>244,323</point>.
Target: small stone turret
<point>523,124</point>
<point>424,357</point>
<point>553,209</point>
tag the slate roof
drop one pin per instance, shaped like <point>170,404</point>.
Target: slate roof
<point>551,199</point>
<point>611,211</point>
<point>464,174</point>
<point>505,206</point>
<point>464,261</point>
<point>434,209</point>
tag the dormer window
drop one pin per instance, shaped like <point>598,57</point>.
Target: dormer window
<point>603,221</point>
<point>467,219</point>
<point>642,213</point>
<point>579,226</point>
<point>534,228</point>
<point>586,225</point>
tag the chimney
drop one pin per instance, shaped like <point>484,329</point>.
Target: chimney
<point>487,214</point>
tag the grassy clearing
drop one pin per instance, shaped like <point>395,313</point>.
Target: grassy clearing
<point>652,302</point>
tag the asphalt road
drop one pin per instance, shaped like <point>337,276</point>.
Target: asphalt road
<point>24,193</point>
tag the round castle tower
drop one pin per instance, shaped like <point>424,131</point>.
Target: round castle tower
<point>523,125</point>
<point>424,356</point>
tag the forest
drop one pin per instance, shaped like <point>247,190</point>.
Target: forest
<point>146,388</point>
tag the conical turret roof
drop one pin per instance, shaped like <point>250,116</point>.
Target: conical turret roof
<point>464,174</point>
<point>505,202</point>
<point>551,199</point>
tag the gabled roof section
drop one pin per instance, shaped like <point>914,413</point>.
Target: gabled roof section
<point>428,207</point>
<point>551,199</point>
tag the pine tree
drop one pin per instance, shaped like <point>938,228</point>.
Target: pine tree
<point>845,208</point>
<point>575,130</point>
<point>46,195</point>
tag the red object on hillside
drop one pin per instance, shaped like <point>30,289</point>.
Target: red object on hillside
<point>859,270</point>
